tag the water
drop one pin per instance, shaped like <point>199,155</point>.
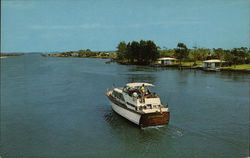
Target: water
<point>56,108</point>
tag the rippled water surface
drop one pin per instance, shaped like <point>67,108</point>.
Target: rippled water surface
<point>55,107</point>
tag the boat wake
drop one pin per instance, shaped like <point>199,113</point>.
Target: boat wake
<point>153,127</point>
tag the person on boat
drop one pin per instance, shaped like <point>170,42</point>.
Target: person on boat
<point>142,88</point>
<point>135,96</point>
<point>143,92</point>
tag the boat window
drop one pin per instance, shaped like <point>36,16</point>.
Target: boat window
<point>118,95</point>
<point>125,89</point>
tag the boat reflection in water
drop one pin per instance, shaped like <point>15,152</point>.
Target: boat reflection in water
<point>137,104</point>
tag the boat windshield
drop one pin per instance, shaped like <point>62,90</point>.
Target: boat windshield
<point>136,91</point>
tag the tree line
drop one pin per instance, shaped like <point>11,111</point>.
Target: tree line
<point>141,53</point>
<point>83,53</point>
<point>146,52</point>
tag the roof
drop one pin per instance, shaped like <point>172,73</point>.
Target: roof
<point>213,61</point>
<point>138,84</point>
<point>167,58</point>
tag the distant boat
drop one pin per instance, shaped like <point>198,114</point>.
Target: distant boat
<point>1,57</point>
<point>142,108</point>
<point>211,69</point>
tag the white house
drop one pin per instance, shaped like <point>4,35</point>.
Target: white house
<point>166,61</point>
<point>212,64</point>
<point>74,54</point>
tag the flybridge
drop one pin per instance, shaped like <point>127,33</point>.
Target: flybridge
<point>139,84</point>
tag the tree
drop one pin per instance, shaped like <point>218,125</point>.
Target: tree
<point>133,51</point>
<point>228,57</point>
<point>166,52</point>
<point>121,52</point>
<point>147,52</point>
<point>203,53</point>
<point>141,53</point>
<point>219,53</point>
<point>85,53</point>
<point>194,55</point>
<point>181,52</point>
<point>239,56</point>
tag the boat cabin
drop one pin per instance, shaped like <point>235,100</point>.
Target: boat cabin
<point>133,96</point>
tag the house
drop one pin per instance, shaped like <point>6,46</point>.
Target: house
<point>212,64</point>
<point>166,61</point>
<point>74,54</point>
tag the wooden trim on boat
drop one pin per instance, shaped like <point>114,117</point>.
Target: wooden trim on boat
<point>153,119</point>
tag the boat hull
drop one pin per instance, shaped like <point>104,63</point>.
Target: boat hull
<point>131,116</point>
<point>154,119</point>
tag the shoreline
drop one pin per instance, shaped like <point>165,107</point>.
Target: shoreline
<point>96,57</point>
<point>112,60</point>
<point>200,68</point>
<point>11,54</point>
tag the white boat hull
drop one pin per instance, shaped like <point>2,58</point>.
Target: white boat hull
<point>131,116</point>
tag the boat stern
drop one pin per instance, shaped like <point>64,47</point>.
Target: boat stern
<point>154,119</point>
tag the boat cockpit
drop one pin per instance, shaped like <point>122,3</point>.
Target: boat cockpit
<point>137,92</point>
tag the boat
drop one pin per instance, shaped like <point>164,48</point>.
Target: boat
<point>211,69</point>
<point>137,104</point>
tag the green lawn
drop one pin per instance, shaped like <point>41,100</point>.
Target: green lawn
<point>239,67</point>
<point>199,63</point>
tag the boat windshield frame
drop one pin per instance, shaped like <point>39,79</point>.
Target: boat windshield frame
<point>139,84</point>
<point>130,90</point>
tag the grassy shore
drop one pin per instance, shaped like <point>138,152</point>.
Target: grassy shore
<point>186,63</point>
<point>243,67</point>
<point>10,54</point>
<point>238,67</point>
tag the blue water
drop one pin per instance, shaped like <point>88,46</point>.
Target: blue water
<point>56,108</point>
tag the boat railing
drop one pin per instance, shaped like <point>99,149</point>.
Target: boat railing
<point>150,106</point>
<point>151,95</point>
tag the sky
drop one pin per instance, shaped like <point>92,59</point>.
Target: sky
<point>99,25</point>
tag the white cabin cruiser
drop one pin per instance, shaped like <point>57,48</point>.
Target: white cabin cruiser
<point>137,104</point>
